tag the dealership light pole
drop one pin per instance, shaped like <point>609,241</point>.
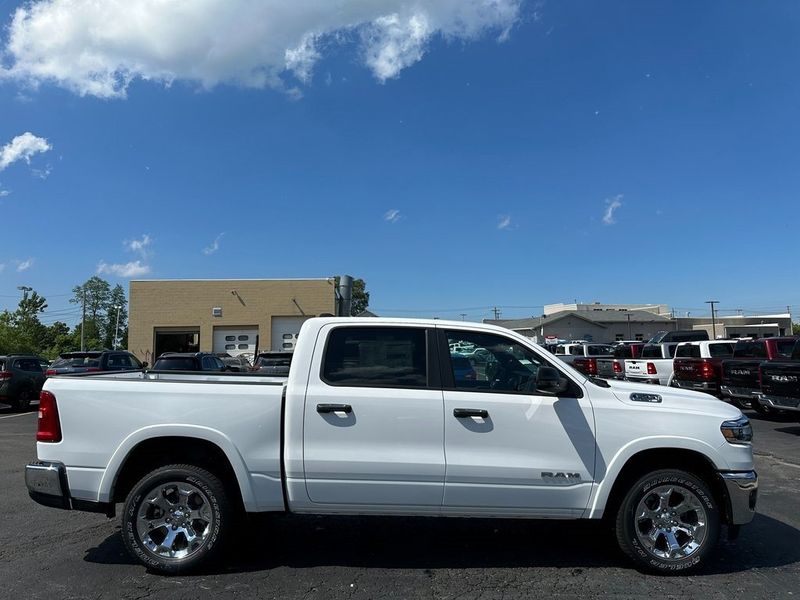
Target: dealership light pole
<point>629,326</point>
<point>116,328</point>
<point>83,321</point>
<point>713,318</point>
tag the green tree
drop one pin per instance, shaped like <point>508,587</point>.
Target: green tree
<point>95,295</point>
<point>795,328</point>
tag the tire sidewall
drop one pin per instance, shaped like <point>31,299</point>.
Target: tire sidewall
<point>630,541</point>
<point>203,480</point>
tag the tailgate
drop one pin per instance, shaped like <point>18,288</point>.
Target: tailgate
<point>634,366</point>
<point>740,373</point>
<point>605,367</point>
<point>688,369</point>
<point>780,379</point>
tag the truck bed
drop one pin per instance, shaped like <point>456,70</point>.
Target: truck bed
<point>120,410</point>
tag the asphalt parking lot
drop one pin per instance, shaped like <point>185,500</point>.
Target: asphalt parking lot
<point>47,553</point>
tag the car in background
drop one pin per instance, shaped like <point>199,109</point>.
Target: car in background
<point>780,383</point>
<point>740,383</point>
<point>273,363</point>
<point>237,364</point>
<point>190,361</point>
<point>654,365</point>
<point>90,361</point>
<point>680,335</point>
<point>698,365</point>
<point>21,380</point>
<point>584,357</point>
<point>614,367</point>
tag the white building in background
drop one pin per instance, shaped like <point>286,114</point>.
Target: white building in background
<point>657,309</point>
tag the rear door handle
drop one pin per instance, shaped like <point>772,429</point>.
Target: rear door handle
<point>463,413</point>
<point>329,408</point>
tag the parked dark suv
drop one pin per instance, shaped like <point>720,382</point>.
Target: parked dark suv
<point>21,380</point>
<point>90,361</point>
<point>190,361</point>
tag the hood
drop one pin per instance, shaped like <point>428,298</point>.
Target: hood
<point>675,399</point>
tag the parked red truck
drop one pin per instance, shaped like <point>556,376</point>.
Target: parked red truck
<point>698,365</point>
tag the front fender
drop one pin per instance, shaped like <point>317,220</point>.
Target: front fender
<point>606,479</point>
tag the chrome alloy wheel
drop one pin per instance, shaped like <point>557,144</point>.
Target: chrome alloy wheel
<point>175,520</point>
<point>670,522</point>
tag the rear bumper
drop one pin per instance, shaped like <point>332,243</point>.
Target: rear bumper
<point>699,386</point>
<point>742,489</point>
<point>780,402</point>
<point>47,485</point>
<point>739,392</point>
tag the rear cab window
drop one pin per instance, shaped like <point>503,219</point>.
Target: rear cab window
<point>750,350</point>
<point>393,357</point>
<point>784,348</point>
<point>688,351</point>
<point>720,350</point>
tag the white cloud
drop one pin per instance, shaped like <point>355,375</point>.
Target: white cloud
<point>612,205</point>
<point>141,247</point>
<point>24,265</point>
<point>392,216</point>
<point>22,147</point>
<point>4,193</point>
<point>214,245</point>
<point>130,269</point>
<point>98,48</point>
<point>503,222</point>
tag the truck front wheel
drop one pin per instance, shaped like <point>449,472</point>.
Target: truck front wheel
<point>668,522</point>
<point>176,518</point>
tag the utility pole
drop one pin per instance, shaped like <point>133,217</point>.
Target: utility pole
<point>116,329</point>
<point>630,337</point>
<point>713,318</point>
<point>83,322</point>
<point>496,312</point>
<point>24,289</point>
<point>463,316</point>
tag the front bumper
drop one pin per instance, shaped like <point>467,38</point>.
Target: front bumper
<point>780,402</point>
<point>742,489</point>
<point>47,485</point>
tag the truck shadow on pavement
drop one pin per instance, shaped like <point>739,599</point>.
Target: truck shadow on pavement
<point>452,543</point>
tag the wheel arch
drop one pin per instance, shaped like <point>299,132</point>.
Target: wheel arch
<point>624,471</point>
<point>146,450</point>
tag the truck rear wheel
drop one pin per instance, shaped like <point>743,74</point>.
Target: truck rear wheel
<point>176,518</point>
<point>669,522</point>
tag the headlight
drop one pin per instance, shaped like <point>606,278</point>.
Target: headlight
<point>738,431</point>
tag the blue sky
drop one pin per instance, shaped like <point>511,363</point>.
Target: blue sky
<point>501,145</point>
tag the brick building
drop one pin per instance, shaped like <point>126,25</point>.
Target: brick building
<point>238,316</point>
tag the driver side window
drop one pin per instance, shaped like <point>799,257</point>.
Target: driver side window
<point>487,362</point>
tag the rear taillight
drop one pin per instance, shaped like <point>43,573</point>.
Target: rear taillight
<point>617,367</point>
<point>49,428</point>
<point>5,375</point>
<point>51,372</point>
<point>651,369</point>
<point>591,366</point>
<point>706,370</point>
<point>93,370</point>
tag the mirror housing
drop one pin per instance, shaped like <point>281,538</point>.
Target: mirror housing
<point>550,381</point>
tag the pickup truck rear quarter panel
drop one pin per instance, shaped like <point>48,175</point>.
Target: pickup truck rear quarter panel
<point>218,412</point>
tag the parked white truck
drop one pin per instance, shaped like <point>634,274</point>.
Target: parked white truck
<point>373,420</point>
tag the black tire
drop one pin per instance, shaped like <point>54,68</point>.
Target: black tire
<point>22,402</point>
<point>629,528</point>
<point>215,502</point>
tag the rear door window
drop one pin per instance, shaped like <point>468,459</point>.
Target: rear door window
<point>394,357</point>
<point>28,364</point>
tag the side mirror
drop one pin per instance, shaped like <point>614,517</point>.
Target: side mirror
<point>550,381</point>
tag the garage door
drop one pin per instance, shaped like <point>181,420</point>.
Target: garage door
<point>284,332</point>
<point>235,340</point>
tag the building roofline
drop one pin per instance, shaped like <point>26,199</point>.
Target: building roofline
<point>239,279</point>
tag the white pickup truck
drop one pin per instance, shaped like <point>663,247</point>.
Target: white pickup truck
<point>654,364</point>
<point>373,420</point>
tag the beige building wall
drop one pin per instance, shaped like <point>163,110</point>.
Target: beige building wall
<point>188,304</point>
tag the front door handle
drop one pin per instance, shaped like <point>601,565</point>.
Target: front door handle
<point>463,413</point>
<point>329,408</point>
